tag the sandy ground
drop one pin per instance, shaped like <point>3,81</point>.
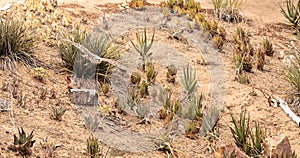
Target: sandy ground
<point>265,22</point>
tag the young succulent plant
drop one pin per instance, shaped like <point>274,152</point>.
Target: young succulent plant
<point>105,88</point>
<point>93,147</point>
<point>57,113</point>
<point>171,73</point>
<point>260,59</point>
<point>192,129</point>
<point>23,143</point>
<point>144,89</point>
<point>267,47</point>
<point>218,41</point>
<point>189,80</point>
<point>151,73</point>
<point>143,46</point>
<point>135,78</point>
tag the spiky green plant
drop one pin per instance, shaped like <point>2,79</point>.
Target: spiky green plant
<point>135,78</point>
<point>260,59</point>
<point>292,71</point>
<point>241,131</point>
<point>293,13</point>
<point>163,141</point>
<point>141,110</point>
<point>99,44</point>
<point>210,120</point>
<point>143,46</point>
<point>57,113</point>
<point>195,107</point>
<point>189,80</point>
<point>256,139</point>
<point>267,47</point>
<point>151,73</point>
<point>93,150</point>
<point>171,73</point>
<point>144,89</point>
<point>17,41</point>
<point>165,97</point>
<point>23,143</point>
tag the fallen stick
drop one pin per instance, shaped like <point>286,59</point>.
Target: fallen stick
<point>278,101</point>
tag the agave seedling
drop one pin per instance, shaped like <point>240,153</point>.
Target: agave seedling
<point>57,113</point>
<point>23,143</point>
<point>105,88</point>
<point>144,89</point>
<point>151,73</point>
<point>135,78</point>
<point>171,73</point>
<point>260,59</point>
<point>143,46</point>
<point>141,110</point>
<point>267,47</point>
<point>241,132</point>
<point>218,41</point>
<point>192,129</point>
<point>93,147</point>
<point>293,13</point>
<point>189,80</point>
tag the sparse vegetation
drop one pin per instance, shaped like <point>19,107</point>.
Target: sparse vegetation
<point>17,41</point>
<point>105,88</point>
<point>143,46</point>
<point>137,4</point>
<point>189,80</point>
<point>171,73</point>
<point>135,78</point>
<point>144,89</point>
<point>57,113</point>
<point>248,142</point>
<point>93,150</point>
<point>267,47</point>
<point>40,73</point>
<point>151,73</point>
<point>260,59</point>
<point>23,143</point>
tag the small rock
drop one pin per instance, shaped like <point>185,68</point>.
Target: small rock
<point>281,55</point>
<point>278,146</point>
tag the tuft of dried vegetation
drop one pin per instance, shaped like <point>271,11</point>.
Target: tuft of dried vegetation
<point>137,4</point>
<point>23,143</point>
<point>105,88</point>
<point>191,8</point>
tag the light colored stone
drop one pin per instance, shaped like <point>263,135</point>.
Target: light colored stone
<point>277,145</point>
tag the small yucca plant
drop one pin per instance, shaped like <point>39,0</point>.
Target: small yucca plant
<point>293,13</point>
<point>93,150</point>
<point>195,107</point>
<point>23,143</point>
<point>141,110</point>
<point>267,47</point>
<point>17,42</point>
<point>143,46</point>
<point>189,80</point>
